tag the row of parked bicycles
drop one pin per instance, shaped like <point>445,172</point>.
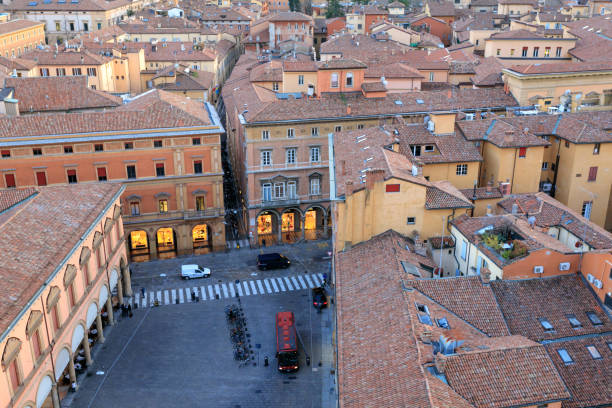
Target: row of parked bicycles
<point>239,333</point>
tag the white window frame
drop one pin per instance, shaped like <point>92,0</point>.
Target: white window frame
<point>300,79</point>
<point>291,189</point>
<point>275,86</point>
<point>265,135</point>
<point>314,131</point>
<point>290,155</point>
<point>279,190</point>
<point>266,188</point>
<point>338,128</point>
<point>335,82</point>
<point>464,246</point>
<point>266,157</point>
<point>315,154</point>
<point>315,186</point>
<point>290,133</point>
<point>462,169</point>
<point>431,77</point>
<point>349,75</point>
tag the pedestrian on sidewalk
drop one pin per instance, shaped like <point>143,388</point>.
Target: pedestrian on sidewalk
<point>143,291</point>
<point>263,242</point>
<point>129,311</point>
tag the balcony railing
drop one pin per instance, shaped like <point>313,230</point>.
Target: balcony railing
<point>288,166</point>
<point>174,215</point>
<point>280,202</point>
<point>207,213</point>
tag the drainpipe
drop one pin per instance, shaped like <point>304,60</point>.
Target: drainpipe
<point>513,171</point>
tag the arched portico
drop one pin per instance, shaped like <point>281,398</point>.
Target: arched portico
<point>315,223</point>
<point>201,238</point>
<point>166,243</point>
<point>139,245</point>
<point>268,228</point>
<point>291,225</point>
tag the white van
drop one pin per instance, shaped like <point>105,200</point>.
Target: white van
<point>194,271</point>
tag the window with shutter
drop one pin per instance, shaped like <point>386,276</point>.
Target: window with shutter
<point>72,176</point>
<point>593,173</point>
<point>41,178</point>
<point>10,180</point>
<point>523,152</point>
<point>101,173</point>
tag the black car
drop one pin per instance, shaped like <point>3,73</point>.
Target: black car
<point>272,261</point>
<point>319,298</point>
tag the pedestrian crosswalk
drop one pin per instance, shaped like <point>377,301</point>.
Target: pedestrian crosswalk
<point>252,287</point>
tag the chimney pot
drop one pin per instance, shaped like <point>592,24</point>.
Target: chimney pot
<point>485,276</point>
<point>373,176</point>
<point>440,362</point>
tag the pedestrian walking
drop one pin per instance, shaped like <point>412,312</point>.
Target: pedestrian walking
<point>123,310</point>
<point>143,291</point>
<point>129,310</point>
<point>263,242</point>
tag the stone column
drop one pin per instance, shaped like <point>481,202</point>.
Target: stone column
<point>71,372</point>
<point>303,231</point>
<point>120,289</point>
<point>99,327</point>
<point>128,281</point>
<point>55,395</point>
<point>109,310</point>
<point>325,225</point>
<point>88,360</point>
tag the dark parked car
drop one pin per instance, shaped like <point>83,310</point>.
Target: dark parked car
<point>272,261</point>
<point>319,298</point>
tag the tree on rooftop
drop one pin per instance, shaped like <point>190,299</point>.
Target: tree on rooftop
<point>294,5</point>
<point>334,9</point>
<point>308,7</point>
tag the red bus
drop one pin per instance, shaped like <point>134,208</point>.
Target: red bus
<point>286,342</point>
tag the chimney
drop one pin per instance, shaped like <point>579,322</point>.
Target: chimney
<point>489,210</point>
<point>11,107</point>
<point>477,115</point>
<point>395,146</point>
<point>485,276</point>
<point>348,187</point>
<point>426,336</point>
<point>449,93</point>
<point>509,136</point>
<point>373,176</point>
<point>504,187</point>
<point>440,362</point>
<point>514,209</point>
<point>489,186</point>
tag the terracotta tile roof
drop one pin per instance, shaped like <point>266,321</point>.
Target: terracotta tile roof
<point>482,193</point>
<point>517,35</point>
<point>17,63</point>
<point>177,52</point>
<point>66,93</point>
<point>436,242</point>
<point>518,2</point>
<point>488,72</point>
<point>450,148</point>
<point>441,8</point>
<point>194,81</point>
<point>299,66</point>
<point>16,25</point>
<point>154,109</point>
<point>524,302</point>
<point>394,70</point>
<point>68,6</point>
<point>442,194</point>
<point>594,35</point>
<point>491,379</point>
<point>371,313</point>
<point>267,72</point>
<point>11,196</point>
<point>469,299</point>
<point>159,25</point>
<point>72,57</point>
<point>289,16</point>
<point>373,87</point>
<point>500,133</point>
<point>344,63</point>
<point>60,215</point>
<point>560,68</point>
<point>588,379</point>
<point>549,212</point>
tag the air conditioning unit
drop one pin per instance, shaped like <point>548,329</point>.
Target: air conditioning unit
<point>590,278</point>
<point>469,116</point>
<point>546,187</point>
<point>538,269</point>
<point>564,266</point>
<point>597,284</point>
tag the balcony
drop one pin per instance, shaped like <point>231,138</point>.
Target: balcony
<point>174,215</point>
<point>207,213</point>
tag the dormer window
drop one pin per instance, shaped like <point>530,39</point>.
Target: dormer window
<point>574,321</point>
<point>546,325</point>
<point>594,319</point>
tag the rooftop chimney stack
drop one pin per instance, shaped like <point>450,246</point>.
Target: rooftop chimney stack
<point>373,176</point>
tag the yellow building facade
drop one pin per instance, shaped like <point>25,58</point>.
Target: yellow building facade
<point>19,36</point>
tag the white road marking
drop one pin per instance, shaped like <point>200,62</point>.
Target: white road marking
<point>239,287</point>
<point>309,281</point>
<point>260,286</point>
<point>320,275</point>
<point>210,292</point>
<point>173,296</point>
<point>225,294</point>
<point>231,288</point>
<point>159,296</point>
<point>188,295</point>
<point>195,291</point>
<point>316,280</point>
<point>218,291</point>
<point>181,297</point>
<point>137,299</point>
<point>246,288</point>
<point>203,292</point>
<point>302,282</point>
<point>281,284</point>
<point>273,282</point>
<point>166,297</point>
<point>253,287</point>
<point>295,283</point>
<point>288,282</point>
